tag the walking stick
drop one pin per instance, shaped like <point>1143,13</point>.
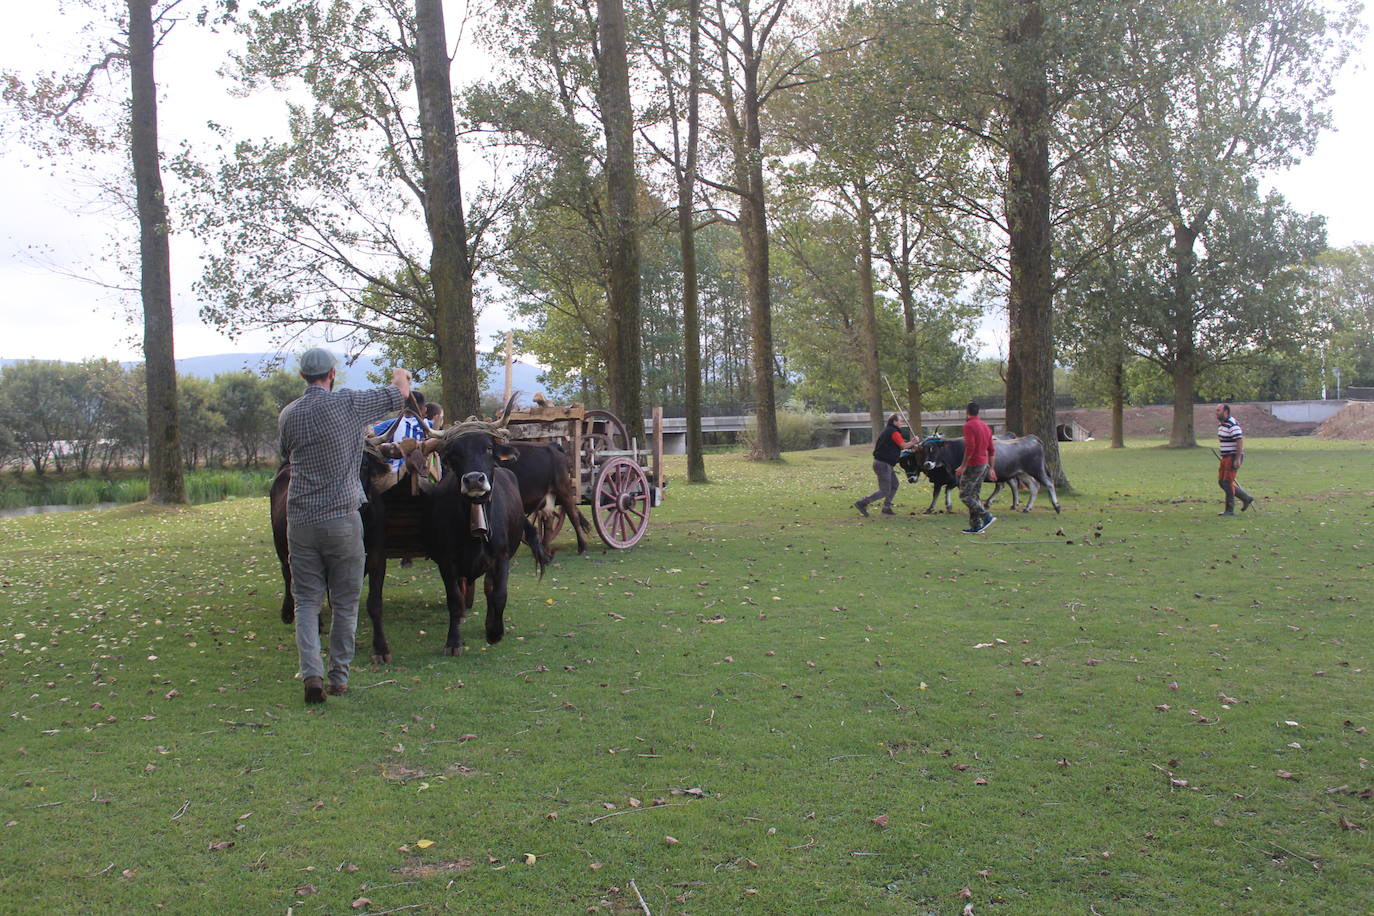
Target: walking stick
<point>915,433</point>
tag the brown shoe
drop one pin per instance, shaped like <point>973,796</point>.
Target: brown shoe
<point>337,690</point>
<point>314,690</point>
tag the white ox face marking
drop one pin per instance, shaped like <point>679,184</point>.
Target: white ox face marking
<point>476,485</point>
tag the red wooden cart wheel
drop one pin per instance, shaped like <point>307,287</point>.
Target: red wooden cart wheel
<point>620,503</point>
<point>603,421</point>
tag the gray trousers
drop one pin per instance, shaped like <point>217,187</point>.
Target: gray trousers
<point>326,558</point>
<point>970,492</point>
<point>887,485</point>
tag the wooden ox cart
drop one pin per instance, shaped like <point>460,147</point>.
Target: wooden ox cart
<point>620,481</point>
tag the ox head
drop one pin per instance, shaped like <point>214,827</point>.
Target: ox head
<point>910,461</point>
<point>930,452</point>
<point>471,459</point>
<point>470,452</point>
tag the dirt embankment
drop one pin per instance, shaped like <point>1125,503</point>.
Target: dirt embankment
<point>1155,422</point>
<point>1355,421</point>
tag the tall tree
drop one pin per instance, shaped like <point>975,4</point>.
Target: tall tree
<point>165,481</point>
<point>450,267</point>
<point>1236,90</point>
<point>758,54</point>
<point>320,230</point>
<point>679,78</point>
<point>622,288</point>
<point>52,101</point>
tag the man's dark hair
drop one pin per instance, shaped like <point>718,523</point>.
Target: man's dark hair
<point>312,379</point>
<point>1225,407</point>
<point>972,408</point>
<point>893,420</point>
<point>432,410</point>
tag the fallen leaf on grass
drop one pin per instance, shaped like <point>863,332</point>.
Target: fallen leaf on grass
<point>305,890</point>
<point>530,858</point>
<point>965,893</point>
<point>671,841</point>
<point>1284,774</point>
<point>425,844</point>
<point>360,903</point>
<point>1347,825</point>
<point>880,820</point>
<point>221,846</point>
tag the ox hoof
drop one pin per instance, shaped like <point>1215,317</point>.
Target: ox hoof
<point>382,659</point>
<point>453,650</point>
<point>494,638</point>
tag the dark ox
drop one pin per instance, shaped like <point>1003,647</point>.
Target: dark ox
<point>922,458</point>
<point>544,474</point>
<point>1018,462</point>
<point>478,521</point>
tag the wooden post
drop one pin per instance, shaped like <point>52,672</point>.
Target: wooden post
<point>510,358</point>
<point>577,457</point>
<point>658,446</point>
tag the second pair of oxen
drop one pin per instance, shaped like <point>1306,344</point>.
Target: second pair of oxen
<point>1018,462</point>
<point>470,523</point>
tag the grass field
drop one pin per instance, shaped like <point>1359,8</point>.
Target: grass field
<point>770,705</point>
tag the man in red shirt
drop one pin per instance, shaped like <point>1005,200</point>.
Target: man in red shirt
<point>977,466</point>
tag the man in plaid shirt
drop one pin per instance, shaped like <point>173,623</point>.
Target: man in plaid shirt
<point>322,437</point>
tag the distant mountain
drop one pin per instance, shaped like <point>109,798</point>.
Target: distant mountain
<point>524,377</point>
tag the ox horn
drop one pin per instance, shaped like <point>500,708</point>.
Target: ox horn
<point>505,414</point>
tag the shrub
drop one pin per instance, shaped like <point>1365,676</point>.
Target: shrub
<point>798,430</point>
<point>82,493</point>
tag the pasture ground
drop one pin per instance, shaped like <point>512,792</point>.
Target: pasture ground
<point>1156,711</point>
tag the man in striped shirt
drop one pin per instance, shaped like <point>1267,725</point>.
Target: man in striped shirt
<point>322,437</point>
<point>1231,440</point>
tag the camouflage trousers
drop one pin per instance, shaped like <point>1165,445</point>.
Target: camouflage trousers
<point>971,491</point>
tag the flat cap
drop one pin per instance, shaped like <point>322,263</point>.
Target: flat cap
<point>317,361</point>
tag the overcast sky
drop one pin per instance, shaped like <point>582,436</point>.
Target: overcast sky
<point>49,230</point>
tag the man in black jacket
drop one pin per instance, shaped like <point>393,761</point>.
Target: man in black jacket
<point>887,448</point>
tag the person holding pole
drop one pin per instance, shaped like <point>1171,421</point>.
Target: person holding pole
<point>887,448</point>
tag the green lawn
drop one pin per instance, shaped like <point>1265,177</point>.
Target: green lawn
<point>1156,711</point>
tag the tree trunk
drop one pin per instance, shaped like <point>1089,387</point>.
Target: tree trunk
<point>1185,392</point>
<point>450,268</point>
<point>910,348</point>
<point>1030,363</point>
<point>691,306</point>
<point>166,483</point>
<point>868,323</point>
<point>1183,368</point>
<point>1118,401</point>
<point>754,231</point>
<point>624,372</point>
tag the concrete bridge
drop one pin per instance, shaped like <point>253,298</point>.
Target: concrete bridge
<point>842,425</point>
<point>950,422</point>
